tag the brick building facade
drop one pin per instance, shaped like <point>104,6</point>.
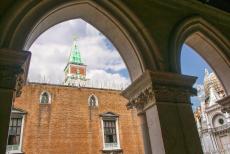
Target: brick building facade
<point>73,119</point>
<point>69,124</point>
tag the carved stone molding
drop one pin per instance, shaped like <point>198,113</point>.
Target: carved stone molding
<point>13,69</point>
<point>143,99</point>
<point>225,104</point>
<point>11,78</point>
<point>173,94</point>
<point>159,87</point>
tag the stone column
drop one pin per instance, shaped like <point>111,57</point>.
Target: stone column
<point>13,73</point>
<point>165,99</point>
<point>145,133</point>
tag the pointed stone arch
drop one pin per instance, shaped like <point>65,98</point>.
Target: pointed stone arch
<point>207,41</point>
<point>47,96</point>
<point>125,31</point>
<point>95,99</point>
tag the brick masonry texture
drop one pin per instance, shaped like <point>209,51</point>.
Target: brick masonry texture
<point>69,126</point>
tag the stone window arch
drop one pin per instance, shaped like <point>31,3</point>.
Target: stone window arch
<point>93,100</point>
<point>45,98</point>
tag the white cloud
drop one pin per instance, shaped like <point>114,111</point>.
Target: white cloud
<point>98,56</point>
<point>103,79</point>
<point>51,50</point>
<point>48,61</point>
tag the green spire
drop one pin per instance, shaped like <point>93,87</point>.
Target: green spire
<point>75,56</point>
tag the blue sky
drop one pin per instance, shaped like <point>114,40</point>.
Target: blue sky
<point>193,64</point>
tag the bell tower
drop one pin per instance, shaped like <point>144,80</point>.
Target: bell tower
<point>75,70</point>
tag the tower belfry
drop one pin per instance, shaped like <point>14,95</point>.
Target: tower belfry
<point>75,71</point>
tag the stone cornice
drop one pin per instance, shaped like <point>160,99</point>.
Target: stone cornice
<point>225,103</point>
<point>162,79</point>
<point>144,100</point>
<point>161,87</point>
<point>13,69</point>
<point>212,108</point>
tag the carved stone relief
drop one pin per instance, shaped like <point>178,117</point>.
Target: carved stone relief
<point>225,104</point>
<point>13,69</point>
<point>153,87</point>
<point>144,98</point>
<point>11,78</point>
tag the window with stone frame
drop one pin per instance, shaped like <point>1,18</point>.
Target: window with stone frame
<point>15,131</point>
<point>110,131</point>
<point>45,98</point>
<point>93,101</point>
<point>110,134</point>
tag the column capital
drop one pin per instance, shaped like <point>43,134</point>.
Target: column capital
<point>14,67</point>
<point>161,87</point>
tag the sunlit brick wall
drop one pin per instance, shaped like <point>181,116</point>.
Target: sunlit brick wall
<point>64,126</point>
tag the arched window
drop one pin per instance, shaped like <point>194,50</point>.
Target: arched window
<point>45,98</point>
<point>92,101</point>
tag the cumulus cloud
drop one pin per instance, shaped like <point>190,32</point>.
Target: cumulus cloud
<point>95,52</point>
<point>103,79</point>
<point>50,53</point>
<point>48,62</point>
<point>63,33</point>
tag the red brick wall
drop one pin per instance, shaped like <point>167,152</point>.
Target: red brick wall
<point>64,126</point>
<point>73,70</point>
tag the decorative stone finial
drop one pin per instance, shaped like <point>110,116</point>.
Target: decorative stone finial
<point>206,73</point>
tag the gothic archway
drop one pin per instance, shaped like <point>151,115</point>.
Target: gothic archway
<point>105,16</point>
<point>207,42</point>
